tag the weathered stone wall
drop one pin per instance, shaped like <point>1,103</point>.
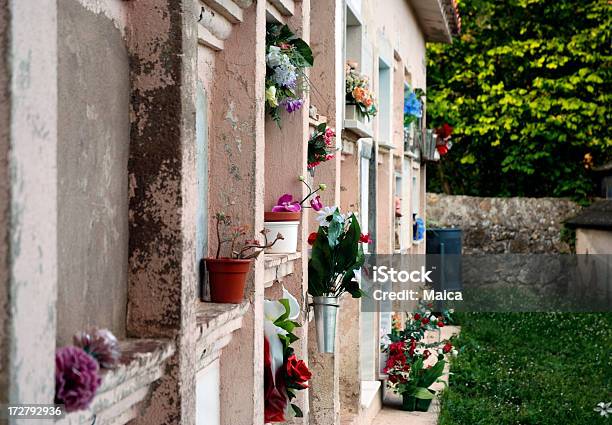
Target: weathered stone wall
<point>503,225</point>
<point>94,138</point>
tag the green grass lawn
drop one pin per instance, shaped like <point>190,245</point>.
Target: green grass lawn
<point>530,369</point>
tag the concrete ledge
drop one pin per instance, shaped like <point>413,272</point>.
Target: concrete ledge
<point>277,266</point>
<point>122,390</point>
<point>215,324</point>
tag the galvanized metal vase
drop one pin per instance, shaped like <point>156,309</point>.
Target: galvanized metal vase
<point>326,310</point>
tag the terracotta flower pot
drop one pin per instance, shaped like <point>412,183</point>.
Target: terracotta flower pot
<point>227,278</point>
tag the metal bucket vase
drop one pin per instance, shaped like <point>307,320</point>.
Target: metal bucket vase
<point>326,311</point>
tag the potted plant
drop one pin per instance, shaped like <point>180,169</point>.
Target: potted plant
<point>360,100</point>
<point>285,218</point>
<point>336,255</point>
<point>286,58</point>
<point>413,366</point>
<point>227,275</point>
<point>321,146</point>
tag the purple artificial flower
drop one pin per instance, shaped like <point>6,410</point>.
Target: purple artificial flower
<point>76,378</point>
<point>316,203</point>
<point>286,204</point>
<point>101,344</point>
<point>292,105</point>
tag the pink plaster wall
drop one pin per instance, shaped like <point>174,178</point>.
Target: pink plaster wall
<point>237,187</point>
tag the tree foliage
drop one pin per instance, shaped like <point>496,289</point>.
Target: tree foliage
<point>527,88</point>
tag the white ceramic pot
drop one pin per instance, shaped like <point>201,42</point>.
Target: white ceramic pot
<point>289,230</point>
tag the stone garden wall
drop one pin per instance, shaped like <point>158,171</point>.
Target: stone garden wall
<point>503,225</point>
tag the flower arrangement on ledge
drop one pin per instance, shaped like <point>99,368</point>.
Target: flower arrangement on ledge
<point>285,217</point>
<point>286,58</point>
<point>358,92</point>
<point>321,146</point>
<point>337,254</point>
<point>413,106</point>
<point>412,365</point>
<point>443,143</point>
<point>77,367</point>
<point>284,373</point>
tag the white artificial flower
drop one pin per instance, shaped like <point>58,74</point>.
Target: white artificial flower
<point>604,409</point>
<point>273,58</point>
<point>440,351</point>
<point>324,215</point>
<point>454,352</point>
<point>433,318</point>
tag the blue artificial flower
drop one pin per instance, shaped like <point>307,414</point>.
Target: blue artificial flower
<point>412,106</point>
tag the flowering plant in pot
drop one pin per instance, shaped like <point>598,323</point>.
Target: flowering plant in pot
<point>286,58</point>
<point>337,254</point>
<point>227,275</point>
<point>413,368</point>
<point>284,373</point>
<point>358,93</point>
<point>412,365</point>
<point>320,146</point>
<point>285,217</point>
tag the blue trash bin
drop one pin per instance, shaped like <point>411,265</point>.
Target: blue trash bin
<point>443,247</point>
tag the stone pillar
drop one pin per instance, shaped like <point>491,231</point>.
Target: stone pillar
<point>385,205</point>
<point>327,29</point>
<point>236,187</point>
<point>28,202</point>
<point>286,153</point>
<point>327,76</point>
<point>162,280</point>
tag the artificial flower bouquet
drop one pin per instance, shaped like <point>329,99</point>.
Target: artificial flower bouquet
<point>321,146</point>
<point>413,106</point>
<point>412,365</point>
<point>285,217</point>
<point>443,142</point>
<point>78,367</point>
<point>358,92</point>
<point>284,373</point>
<point>286,58</point>
<point>336,254</point>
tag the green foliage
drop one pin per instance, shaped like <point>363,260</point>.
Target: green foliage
<point>527,89</point>
<point>336,254</point>
<point>530,368</point>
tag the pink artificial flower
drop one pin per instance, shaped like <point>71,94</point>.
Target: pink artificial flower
<point>329,156</point>
<point>313,164</point>
<point>316,203</point>
<point>286,204</point>
<point>328,136</point>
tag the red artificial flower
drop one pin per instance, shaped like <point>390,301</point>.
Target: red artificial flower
<point>312,238</point>
<point>417,316</point>
<point>275,398</point>
<point>440,324</point>
<point>442,149</point>
<point>365,238</point>
<point>425,320</point>
<point>397,347</point>
<point>298,372</point>
<point>445,131</point>
<point>447,347</point>
<point>398,359</point>
<point>426,354</point>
